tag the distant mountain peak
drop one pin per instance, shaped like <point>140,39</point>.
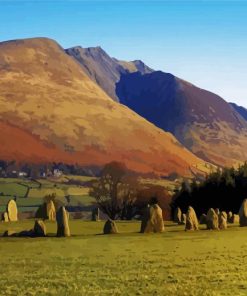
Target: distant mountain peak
<point>103,69</point>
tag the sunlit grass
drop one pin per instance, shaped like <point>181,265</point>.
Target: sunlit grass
<point>173,263</point>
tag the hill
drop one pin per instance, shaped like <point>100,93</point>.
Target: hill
<point>202,121</point>
<point>103,69</point>
<point>241,110</point>
<point>50,110</point>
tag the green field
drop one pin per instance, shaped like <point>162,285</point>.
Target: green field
<point>173,263</point>
<point>10,187</point>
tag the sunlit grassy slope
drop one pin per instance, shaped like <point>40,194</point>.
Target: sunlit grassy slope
<point>172,263</point>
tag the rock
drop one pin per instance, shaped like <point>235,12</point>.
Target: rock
<point>95,214</point>
<point>9,233</point>
<point>12,210</point>
<point>212,220</point>
<point>46,211</point>
<point>39,229</point>
<point>152,221</point>
<point>145,218</point>
<point>50,210</point>
<point>62,218</point>
<point>177,216</point>
<point>243,214</point>
<point>110,227</point>
<point>26,233</point>
<point>5,217</point>
<point>235,219</point>
<point>203,219</point>
<point>217,212</point>
<point>223,220</point>
<point>224,214</point>
<point>229,217</point>
<point>183,219</point>
<point>191,220</point>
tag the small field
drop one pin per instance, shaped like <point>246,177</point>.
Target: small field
<point>88,263</point>
<point>30,194</point>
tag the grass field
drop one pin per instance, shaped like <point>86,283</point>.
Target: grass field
<point>129,263</point>
<point>79,195</point>
<point>10,187</point>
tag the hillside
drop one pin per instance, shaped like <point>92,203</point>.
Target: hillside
<point>199,119</point>
<point>51,111</point>
<point>241,110</point>
<point>103,69</point>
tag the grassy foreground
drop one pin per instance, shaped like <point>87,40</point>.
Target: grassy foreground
<point>172,263</point>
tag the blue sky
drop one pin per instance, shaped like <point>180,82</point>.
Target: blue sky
<point>204,42</point>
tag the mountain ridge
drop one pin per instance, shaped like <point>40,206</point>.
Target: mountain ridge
<point>49,97</point>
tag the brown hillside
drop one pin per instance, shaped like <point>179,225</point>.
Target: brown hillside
<point>202,121</point>
<point>51,111</point>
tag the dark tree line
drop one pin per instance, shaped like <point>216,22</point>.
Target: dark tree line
<point>224,189</point>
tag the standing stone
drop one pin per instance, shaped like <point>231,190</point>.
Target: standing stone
<point>178,216</point>
<point>50,210</point>
<point>183,219</point>
<point>5,217</point>
<point>243,213</point>
<point>152,220</point>
<point>229,217</point>
<point>62,222</point>
<point>217,212</point>
<point>95,214</point>
<point>110,227</point>
<point>224,214</point>
<point>39,228</point>
<point>223,221</point>
<point>191,220</point>
<point>203,219</point>
<point>212,220</point>
<point>145,218</point>
<point>235,219</point>
<point>12,210</point>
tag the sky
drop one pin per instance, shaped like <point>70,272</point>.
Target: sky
<point>203,42</point>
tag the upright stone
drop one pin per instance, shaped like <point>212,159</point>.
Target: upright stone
<point>39,228</point>
<point>191,220</point>
<point>243,213</point>
<point>12,210</point>
<point>223,220</point>
<point>153,220</point>
<point>212,220</point>
<point>110,227</point>
<point>5,217</point>
<point>183,220</point>
<point>50,210</point>
<point>224,214</point>
<point>235,219</point>
<point>178,216</point>
<point>203,219</point>
<point>217,212</point>
<point>145,218</point>
<point>62,222</point>
<point>229,217</point>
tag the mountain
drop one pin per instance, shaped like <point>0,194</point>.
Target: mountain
<point>103,69</point>
<point>202,121</point>
<point>50,110</point>
<point>241,110</point>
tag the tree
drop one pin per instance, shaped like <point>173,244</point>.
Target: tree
<point>224,189</point>
<point>114,191</point>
